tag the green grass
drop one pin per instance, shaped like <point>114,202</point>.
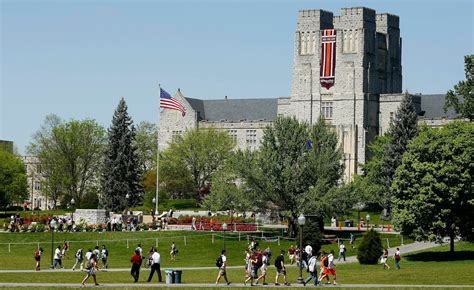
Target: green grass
<point>198,245</point>
<point>414,270</point>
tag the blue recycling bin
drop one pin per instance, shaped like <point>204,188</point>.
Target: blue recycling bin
<point>177,276</point>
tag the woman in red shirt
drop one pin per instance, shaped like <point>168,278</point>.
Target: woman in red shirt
<point>136,264</point>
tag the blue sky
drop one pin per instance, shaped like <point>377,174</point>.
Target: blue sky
<point>77,58</point>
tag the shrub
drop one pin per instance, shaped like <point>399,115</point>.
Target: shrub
<point>370,248</point>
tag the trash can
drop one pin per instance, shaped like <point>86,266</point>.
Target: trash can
<point>177,276</point>
<point>349,223</point>
<point>169,276</point>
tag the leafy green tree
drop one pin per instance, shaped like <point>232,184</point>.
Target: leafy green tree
<point>69,154</point>
<point>296,165</point>
<point>433,188</point>
<point>311,235</point>
<point>403,129</point>
<point>146,144</point>
<point>370,248</point>
<point>13,186</point>
<point>121,173</point>
<point>461,98</point>
<point>227,193</point>
<point>196,155</point>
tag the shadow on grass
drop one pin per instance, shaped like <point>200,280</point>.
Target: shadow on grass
<point>440,256</point>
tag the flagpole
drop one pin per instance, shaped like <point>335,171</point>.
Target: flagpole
<point>157,156</point>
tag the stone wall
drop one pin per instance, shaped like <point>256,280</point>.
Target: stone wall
<point>91,216</point>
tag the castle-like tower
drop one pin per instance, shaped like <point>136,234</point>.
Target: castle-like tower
<point>342,66</point>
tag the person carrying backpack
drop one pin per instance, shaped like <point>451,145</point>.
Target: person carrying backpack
<point>265,263</point>
<point>324,265</point>
<point>136,261</point>
<point>280,266</point>
<point>397,258</point>
<point>221,263</point>
<point>104,255</point>
<point>313,271</point>
<point>79,259</point>
<point>38,254</point>
<point>91,266</point>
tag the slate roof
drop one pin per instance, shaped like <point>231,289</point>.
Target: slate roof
<point>235,109</point>
<point>433,107</point>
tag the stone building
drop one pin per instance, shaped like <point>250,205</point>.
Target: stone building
<point>346,69</point>
<point>34,179</point>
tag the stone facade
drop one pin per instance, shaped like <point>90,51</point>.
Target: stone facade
<point>366,94</point>
<point>91,216</point>
<point>34,179</point>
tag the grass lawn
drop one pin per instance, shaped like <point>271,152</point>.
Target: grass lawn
<point>199,246</point>
<point>428,267</point>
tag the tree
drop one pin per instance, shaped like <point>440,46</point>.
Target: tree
<point>196,155</point>
<point>433,189</point>
<point>121,173</point>
<point>370,248</point>
<point>461,99</point>
<point>13,185</point>
<point>70,155</point>
<point>403,129</point>
<point>295,165</point>
<point>146,138</point>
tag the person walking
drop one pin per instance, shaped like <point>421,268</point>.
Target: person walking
<point>281,270</point>
<point>352,239</point>
<point>221,263</point>
<point>342,252</point>
<point>330,270</point>
<point>155,266</point>
<point>96,253</point>
<point>201,224</point>
<point>313,271</point>
<point>136,261</point>
<point>322,271</point>
<point>384,259</point>
<point>91,266</point>
<point>291,254</point>
<point>104,255</point>
<point>265,262</point>
<point>58,258</point>
<point>173,251</point>
<point>79,259</point>
<point>193,223</point>
<point>252,262</point>
<point>88,255</point>
<point>397,258</point>
<point>38,254</point>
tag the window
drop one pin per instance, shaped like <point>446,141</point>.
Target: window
<point>391,117</point>
<point>251,137</point>
<point>326,110</point>
<point>233,135</point>
<point>175,134</point>
<point>37,185</point>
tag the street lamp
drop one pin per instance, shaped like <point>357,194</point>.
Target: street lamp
<point>224,227</point>
<point>301,222</point>
<point>52,226</point>
<point>73,202</point>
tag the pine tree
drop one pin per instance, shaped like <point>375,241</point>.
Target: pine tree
<point>403,128</point>
<point>370,248</point>
<point>121,173</point>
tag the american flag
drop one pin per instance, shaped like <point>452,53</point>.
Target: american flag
<point>167,102</point>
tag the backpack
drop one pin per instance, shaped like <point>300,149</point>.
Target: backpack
<point>259,262</point>
<point>397,258</point>
<point>278,262</point>
<point>37,254</point>
<point>88,264</point>
<point>219,262</point>
<point>326,262</point>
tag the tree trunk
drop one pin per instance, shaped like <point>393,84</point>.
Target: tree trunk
<point>292,227</point>
<point>451,244</point>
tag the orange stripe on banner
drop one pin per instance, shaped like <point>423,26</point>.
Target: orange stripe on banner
<point>328,59</point>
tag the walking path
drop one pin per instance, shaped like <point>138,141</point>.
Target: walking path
<point>232,285</point>
<point>413,247</point>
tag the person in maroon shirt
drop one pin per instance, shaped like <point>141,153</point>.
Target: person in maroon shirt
<point>136,263</point>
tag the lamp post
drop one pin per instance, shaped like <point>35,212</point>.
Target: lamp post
<point>224,227</point>
<point>301,222</point>
<point>73,202</point>
<point>52,226</point>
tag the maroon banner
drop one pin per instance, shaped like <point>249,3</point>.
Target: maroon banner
<point>328,58</point>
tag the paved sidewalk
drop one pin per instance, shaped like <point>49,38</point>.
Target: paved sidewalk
<point>140,285</point>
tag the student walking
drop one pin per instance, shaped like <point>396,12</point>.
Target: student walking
<point>221,263</point>
<point>155,266</point>
<point>38,254</point>
<point>384,259</point>
<point>79,259</point>
<point>96,253</point>
<point>291,254</point>
<point>104,255</point>
<point>323,267</point>
<point>173,251</point>
<point>342,252</point>
<point>265,262</point>
<point>281,270</point>
<point>91,266</point>
<point>313,271</point>
<point>136,261</point>
<point>58,258</point>
<point>193,223</point>
<point>330,270</point>
<point>397,258</point>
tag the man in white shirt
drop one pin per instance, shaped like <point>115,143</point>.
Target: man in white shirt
<point>397,258</point>
<point>313,271</point>
<point>139,248</point>
<point>342,252</point>
<point>155,266</point>
<point>222,268</point>
<point>331,270</point>
<point>57,258</point>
